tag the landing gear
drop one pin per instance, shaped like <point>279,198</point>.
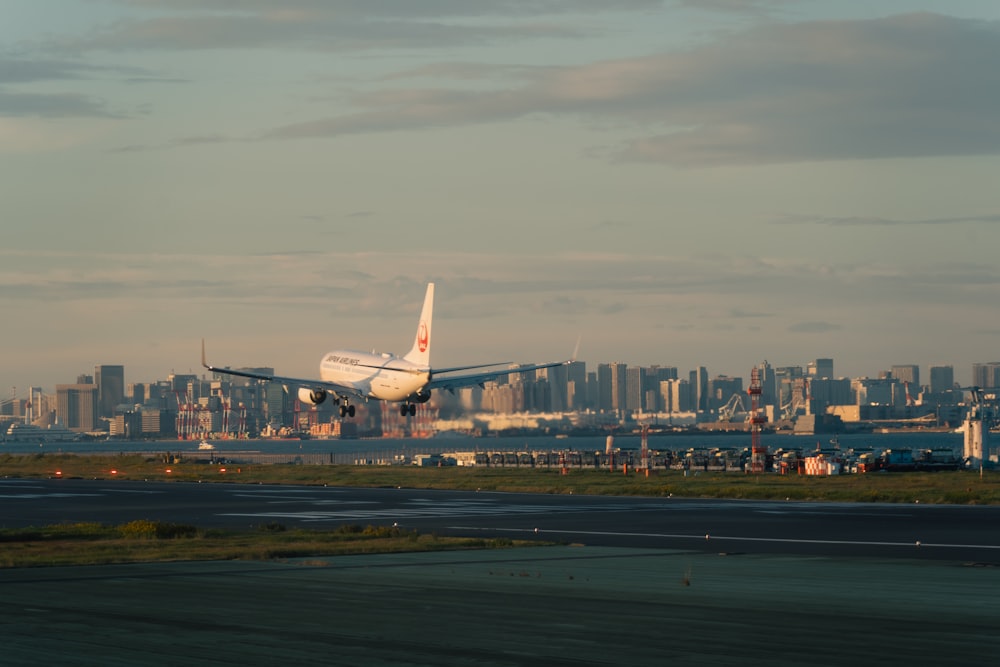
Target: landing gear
<point>408,409</point>
<point>346,410</point>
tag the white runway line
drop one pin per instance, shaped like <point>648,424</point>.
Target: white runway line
<point>715,538</point>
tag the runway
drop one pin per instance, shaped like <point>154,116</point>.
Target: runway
<point>638,581</point>
<point>920,531</point>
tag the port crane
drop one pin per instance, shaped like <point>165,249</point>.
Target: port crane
<point>729,410</point>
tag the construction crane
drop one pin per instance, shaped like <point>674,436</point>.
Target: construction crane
<point>727,411</point>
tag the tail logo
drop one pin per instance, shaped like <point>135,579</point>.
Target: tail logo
<point>423,337</point>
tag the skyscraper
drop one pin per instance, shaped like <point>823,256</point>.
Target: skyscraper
<point>699,388</point>
<point>986,375</point>
<point>635,388</point>
<point>110,381</point>
<point>576,377</point>
<point>907,373</point>
<point>820,368</point>
<point>76,406</point>
<point>942,378</point>
<point>768,385</point>
<point>619,383</point>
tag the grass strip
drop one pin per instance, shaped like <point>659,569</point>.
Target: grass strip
<point>151,541</point>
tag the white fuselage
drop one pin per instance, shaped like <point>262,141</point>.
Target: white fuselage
<point>381,376</point>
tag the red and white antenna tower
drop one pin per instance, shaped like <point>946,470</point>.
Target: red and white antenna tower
<point>758,452</point>
<point>644,450</point>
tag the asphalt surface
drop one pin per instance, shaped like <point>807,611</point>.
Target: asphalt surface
<point>940,532</point>
<point>638,581</point>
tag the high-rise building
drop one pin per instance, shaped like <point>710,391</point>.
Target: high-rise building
<point>784,378</point>
<point>76,406</point>
<point>768,385</point>
<point>699,388</point>
<point>135,393</point>
<point>828,391</point>
<point>655,377</point>
<point>576,385</point>
<point>593,391</point>
<point>619,382</point>
<point>882,391</point>
<point>986,375</point>
<point>635,388</point>
<point>908,373</point>
<point>558,380</point>
<point>110,381</point>
<point>942,378</point>
<point>820,368</point>
<point>722,390</point>
<point>676,395</point>
<point>605,388</point>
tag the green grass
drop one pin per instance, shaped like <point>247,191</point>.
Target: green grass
<point>150,541</point>
<point>953,487</point>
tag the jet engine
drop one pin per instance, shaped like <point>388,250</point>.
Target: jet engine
<point>421,396</point>
<point>312,396</point>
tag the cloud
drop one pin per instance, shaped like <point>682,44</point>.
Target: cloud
<point>53,105</point>
<point>754,8</point>
<point>814,327</point>
<point>677,310</point>
<point>861,221</point>
<point>342,25</point>
<point>20,71</point>
<point>594,283</point>
<point>404,9</point>
<point>902,86</point>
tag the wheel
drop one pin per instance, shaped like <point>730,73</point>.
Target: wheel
<point>350,411</point>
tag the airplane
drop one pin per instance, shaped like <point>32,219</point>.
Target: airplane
<point>348,375</point>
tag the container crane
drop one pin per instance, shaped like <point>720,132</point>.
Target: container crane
<point>727,411</point>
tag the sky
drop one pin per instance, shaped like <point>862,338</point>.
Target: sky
<point>678,182</point>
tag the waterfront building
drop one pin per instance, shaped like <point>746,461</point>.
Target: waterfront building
<point>76,406</point>
<point>824,392</point>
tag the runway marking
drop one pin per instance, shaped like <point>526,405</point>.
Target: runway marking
<point>136,491</point>
<point>424,510</point>
<point>716,538</point>
<point>36,496</point>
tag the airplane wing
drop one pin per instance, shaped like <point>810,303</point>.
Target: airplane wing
<point>452,382</point>
<point>335,389</point>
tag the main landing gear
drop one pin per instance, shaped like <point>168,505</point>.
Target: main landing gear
<point>408,409</point>
<point>346,409</point>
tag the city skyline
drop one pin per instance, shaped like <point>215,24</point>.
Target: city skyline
<point>681,183</point>
<point>124,377</point>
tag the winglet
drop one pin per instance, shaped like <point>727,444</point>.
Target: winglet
<point>203,362</point>
<point>576,350</point>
